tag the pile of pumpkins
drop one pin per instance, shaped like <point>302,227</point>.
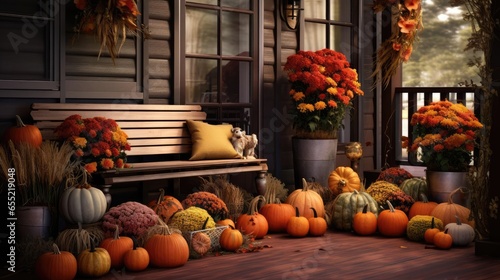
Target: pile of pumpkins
<point>357,210</point>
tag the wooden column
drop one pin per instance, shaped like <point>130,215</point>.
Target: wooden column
<point>492,247</point>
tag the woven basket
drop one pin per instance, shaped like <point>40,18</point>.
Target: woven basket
<point>213,233</point>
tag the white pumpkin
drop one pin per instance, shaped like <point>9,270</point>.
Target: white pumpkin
<point>461,233</point>
<point>82,204</point>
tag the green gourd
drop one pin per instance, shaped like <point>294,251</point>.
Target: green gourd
<point>414,187</point>
<point>346,205</point>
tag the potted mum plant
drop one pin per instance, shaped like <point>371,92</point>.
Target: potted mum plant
<point>444,139</point>
<point>322,88</point>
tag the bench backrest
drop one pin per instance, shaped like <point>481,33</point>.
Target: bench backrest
<point>152,129</point>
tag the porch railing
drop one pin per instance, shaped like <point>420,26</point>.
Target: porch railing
<point>409,99</point>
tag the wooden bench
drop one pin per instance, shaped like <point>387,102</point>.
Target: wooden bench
<point>159,139</point>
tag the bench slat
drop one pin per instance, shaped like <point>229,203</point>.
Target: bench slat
<point>114,107</point>
<point>119,115</point>
<point>123,124</point>
<point>156,150</point>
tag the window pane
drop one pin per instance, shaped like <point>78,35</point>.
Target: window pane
<point>438,57</point>
<point>236,82</point>
<point>208,2</point>
<point>340,39</point>
<point>240,4</point>
<point>340,10</point>
<point>201,80</point>
<point>315,9</point>
<point>314,34</point>
<point>235,33</point>
<point>201,31</point>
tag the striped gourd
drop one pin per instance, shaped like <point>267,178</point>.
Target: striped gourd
<point>341,211</point>
<point>414,187</point>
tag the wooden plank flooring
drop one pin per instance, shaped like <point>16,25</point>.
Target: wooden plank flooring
<point>337,255</point>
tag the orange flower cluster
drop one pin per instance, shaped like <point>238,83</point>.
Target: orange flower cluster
<point>98,142</point>
<point>444,135</point>
<point>110,20</point>
<point>399,46</point>
<point>215,206</point>
<point>323,86</point>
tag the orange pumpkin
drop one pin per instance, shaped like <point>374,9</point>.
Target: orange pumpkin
<point>167,249</point>
<point>298,226</point>
<point>165,206</point>
<point>448,211</point>
<point>343,179</point>
<point>431,232</point>
<point>423,207</point>
<point>252,222</point>
<point>443,240</point>
<point>317,225</point>
<point>277,215</point>
<point>56,265</point>
<point>23,133</point>
<point>392,222</point>
<point>117,246</point>
<point>231,239</point>
<point>304,199</point>
<point>364,222</point>
<point>136,259</point>
<point>225,222</point>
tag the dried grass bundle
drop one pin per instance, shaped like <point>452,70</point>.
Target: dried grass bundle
<point>275,189</point>
<point>325,192</point>
<point>41,173</point>
<point>75,240</point>
<point>233,196</point>
<point>29,251</point>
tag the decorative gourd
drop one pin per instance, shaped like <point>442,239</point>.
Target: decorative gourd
<point>394,175</point>
<point>225,222</point>
<point>462,234</point>
<point>82,204</point>
<point>380,191</point>
<point>304,199</point>
<point>317,225</point>
<point>448,211</point>
<point>364,222</point>
<point>343,179</point>
<point>136,259</point>
<point>392,222</point>
<point>430,232</point>
<point>277,214</point>
<point>298,226</point>
<point>443,240</point>
<point>215,206</point>
<point>165,206</point>
<point>345,206</point>
<point>191,219</point>
<point>415,187</point>
<point>231,239</point>
<point>23,133</point>
<point>200,242</point>
<point>94,262</point>
<point>56,265</point>
<point>117,246</point>
<point>422,207</point>
<point>418,225</point>
<point>166,247</point>
<point>253,223</point>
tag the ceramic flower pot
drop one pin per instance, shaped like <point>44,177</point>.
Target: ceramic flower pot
<point>313,159</point>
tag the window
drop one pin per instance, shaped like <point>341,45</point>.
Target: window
<point>28,47</point>
<point>438,58</point>
<point>220,57</point>
<point>330,24</point>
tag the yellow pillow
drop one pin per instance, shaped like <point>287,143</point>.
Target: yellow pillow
<point>211,141</point>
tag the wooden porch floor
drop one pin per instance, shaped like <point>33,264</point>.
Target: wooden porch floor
<point>337,255</point>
